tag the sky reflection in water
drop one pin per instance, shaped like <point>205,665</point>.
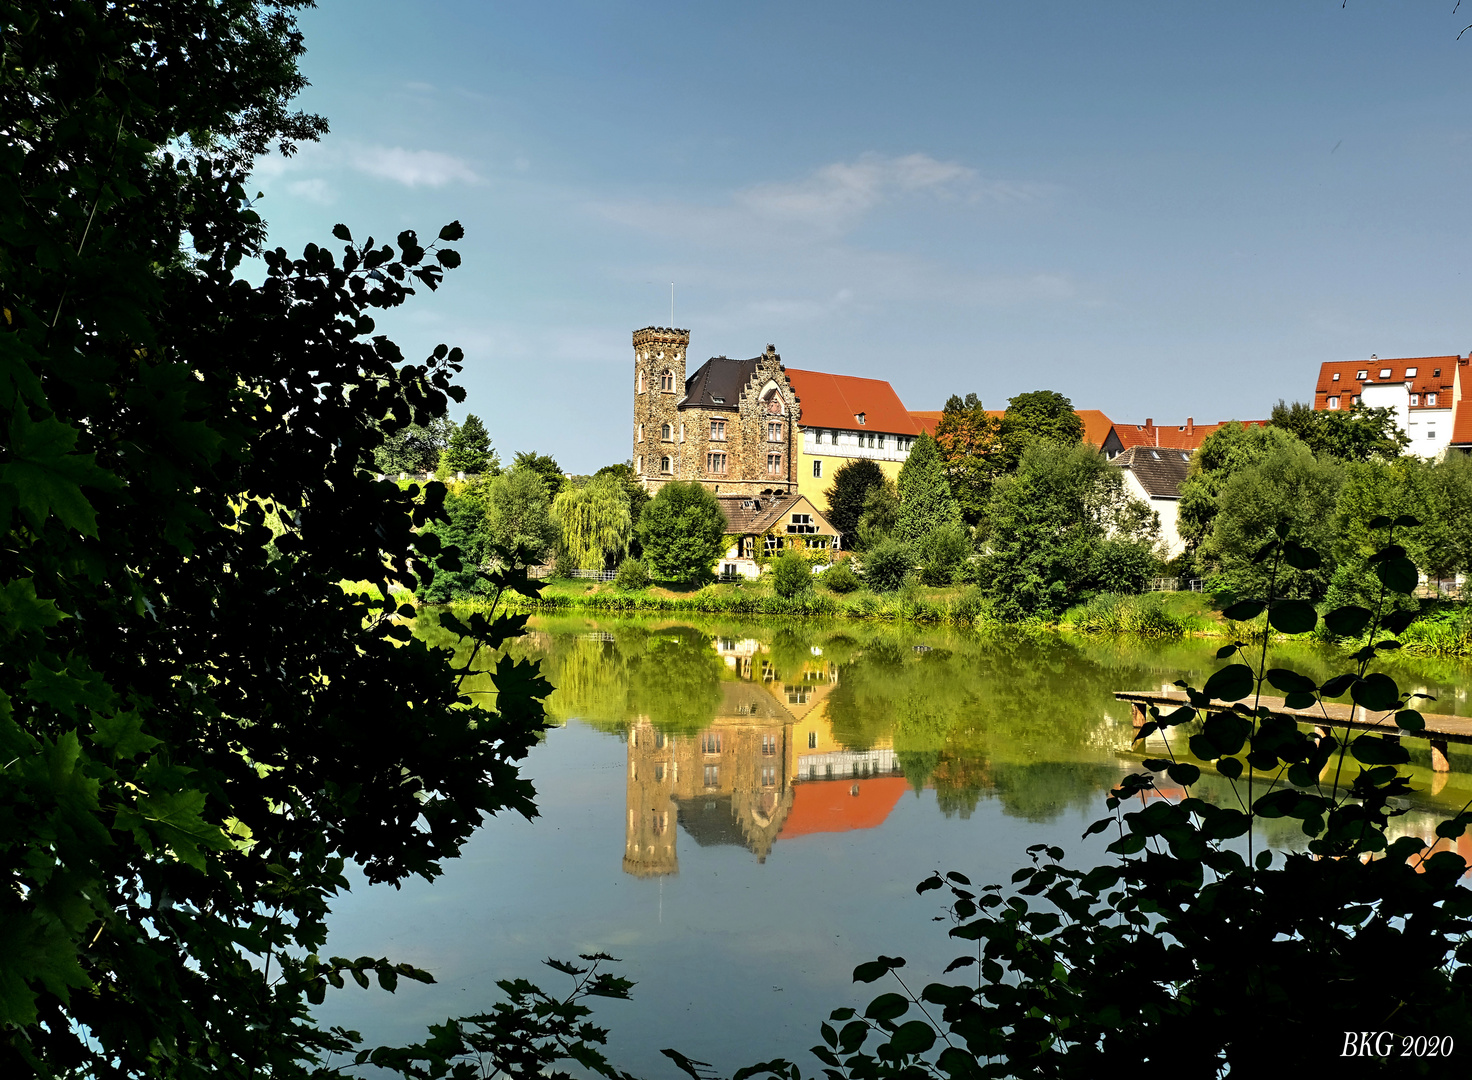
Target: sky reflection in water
<point>741,812</point>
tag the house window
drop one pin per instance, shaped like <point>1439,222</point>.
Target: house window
<point>1436,374</point>
<point>659,740</point>
<point>712,776</point>
<point>661,821</point>
<point>748,545</point>
<point>812,740</point>
<point>879,441</point>
<point>801,523</point>
<point>1385,373</point>
<point>769,776</point>
<point>1354,401</point>
<point>1430,434</point>
<point>1415,399</point>
<point>1361,374</point>
<point>797,697</point>
<point>774,431</point>
<point>818,470</point>
<point>1430,399</point>
<point>871,442</point>
<point>710,742</point>
<point>861,419</point>
<point>664,464</point>
<point>769,745</point>
<point>667,381</point>
<point>718,430</point>
<point>715,463</point>
<point>1334,403</point>
<point>774,464</point>
<point>771,543</point>
<point>659,772</point>
<point>1335,378</point>
<point>818,543</point>
<point>1411,372</point>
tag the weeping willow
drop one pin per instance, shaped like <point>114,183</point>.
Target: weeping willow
<point>595,522</point>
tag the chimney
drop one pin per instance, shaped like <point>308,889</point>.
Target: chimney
<point>1149,423</point>
<point>1190,424</point>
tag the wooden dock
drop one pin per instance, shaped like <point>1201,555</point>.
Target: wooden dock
<point>1440,731</point>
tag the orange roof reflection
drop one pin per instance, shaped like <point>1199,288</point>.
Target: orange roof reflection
<point>821,806</point>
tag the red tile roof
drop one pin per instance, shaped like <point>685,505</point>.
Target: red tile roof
<point>835,401</point>
<point>841,805</point>
<point>1340,378</point>
<point>1181,437</point>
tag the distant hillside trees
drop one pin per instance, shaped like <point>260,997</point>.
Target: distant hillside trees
<point>468,450</point>
<point>415,448</point>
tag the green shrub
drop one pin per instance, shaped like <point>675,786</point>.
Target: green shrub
<point>887,564</point>
<point>943,554</point>
<point>632,574</point>
<point>564,564</point>
<point>840,578</point>
<point>791,574</point>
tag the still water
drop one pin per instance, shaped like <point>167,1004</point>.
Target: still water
<point>740,812</point>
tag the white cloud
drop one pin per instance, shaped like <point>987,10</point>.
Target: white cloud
<point>412,168</point>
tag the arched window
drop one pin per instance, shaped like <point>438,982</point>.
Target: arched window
<point>639,383</point>
<point>667,380</point>
<point>666,432</point>
<point>664,464</point>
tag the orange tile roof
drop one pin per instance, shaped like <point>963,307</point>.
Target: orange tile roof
<point>835,401</point>
<point>841,805</point>
<point>1462,422</point>
<point>1182,437</point>
<point>1341,378</point>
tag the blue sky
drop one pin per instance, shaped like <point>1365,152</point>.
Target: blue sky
<point>1160,210</point>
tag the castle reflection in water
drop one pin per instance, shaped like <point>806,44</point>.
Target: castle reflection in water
<point>765,769</point>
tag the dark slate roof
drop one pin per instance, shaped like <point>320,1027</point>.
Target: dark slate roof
<point>747,514</point>
<point>1160,470</point>
<point>718,377</point>
<point>710,820</point>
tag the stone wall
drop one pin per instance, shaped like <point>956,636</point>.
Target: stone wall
<point>657,349</point>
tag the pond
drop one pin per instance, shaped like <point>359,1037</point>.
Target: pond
<point>740,812</point>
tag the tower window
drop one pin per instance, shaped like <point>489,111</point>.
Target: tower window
<point>667,380</point>
<point>718,430</point>
<point>715,463</point>
<point>664,464</point>
<point>639,434</point>
<point>639,383</point>
<point>774,464</point>
<point>666,432</point>
<point>774,431</point>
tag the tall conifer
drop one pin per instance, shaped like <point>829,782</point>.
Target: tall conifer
<point>926,502</point>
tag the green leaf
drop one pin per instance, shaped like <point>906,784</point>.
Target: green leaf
<point>452,232</point>
<point>22,610</point>
<point>1226,732</point>
<point>1398,574</point>
<point>1376,692</point>
<point>915,1037</point>
<point>122,733</point>
<point>887,1007</point>
<point>877,969</point>
<point>1410,720</point>
<point>1229,767</point>
<point>48,478</point>
<point>1231,683</point>
<point>1377,750</point>
<point>852,1036</point>
<point>1348,621</point>
<point>1407,520</point>
<point>1292,616</point>
<point>173,817</point>
<point>1226,651</point>
<point>1300,557</point>
<point>1243,610</point>
<point>1184,773</point>
<point>1397,621</point>
<point>1290,682</point>
<point>1336,686</point>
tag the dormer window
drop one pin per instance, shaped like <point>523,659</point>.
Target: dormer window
<point>1334,403</point>
<point>1436,374</point>
<point>1362,374</point>
<point>1385,373</point>
<point>861,418</point>
<point>1430,399</point>
<point>1411,372</point>
<point>718,400</point>
<point>1415,399</point>
<point>1335,378</point>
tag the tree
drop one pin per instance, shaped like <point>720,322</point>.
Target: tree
<point>519,514</point>
<point>851,486</point>
<point>683,532</point>
<point>545,466</point>
<point>791,574</point>
<point>881,513</point>
<point>594,520</point>
<point>887,563</point>
<point>1356,434</point>
<point>943,554</point>
<point>414,448</point>
<point>634,489</point>
<point>469,450</point>
<point>192,716</point>
<point>926,502</point>
<point>1050,522</point>
<point>1227,450</point>
<point>969,441</point>
<point>466,527</point>
<point>1037,416</point>
<point>1289,488</point>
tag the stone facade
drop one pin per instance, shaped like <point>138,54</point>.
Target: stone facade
<point>732,425</point>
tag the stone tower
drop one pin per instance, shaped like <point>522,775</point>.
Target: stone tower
<point>649,835</point>
<point>659,384</point>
